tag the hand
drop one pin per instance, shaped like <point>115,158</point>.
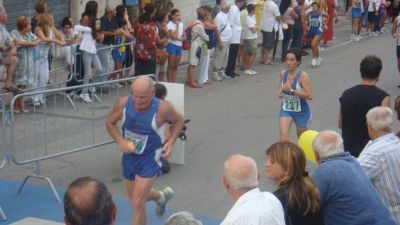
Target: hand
<point>13,51</point>
<point>220,45</point>
<point>376,13</point>
<point>286,87</point>
<point>325,27</point>
<point>279,92</point>
<point>167,151</point>
<point>2,48</point>
<point>126,146</point>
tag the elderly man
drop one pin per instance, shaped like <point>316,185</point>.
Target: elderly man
<point>223,37</point>
<point>347,195</point>
<point>7,52</point>
<point>142,142</point>
<point>88,201</point>
<point>380,158</point>
<point>182,218</point>
<point>252,206</point>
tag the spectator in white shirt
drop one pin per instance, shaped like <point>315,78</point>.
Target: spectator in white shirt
<point>250,40</point>
<point>380,158</point>
<point>234,19</point>
<point>223,37</point>
<point>252,206</point>
<point>269,26</point>
<point>86,29</point>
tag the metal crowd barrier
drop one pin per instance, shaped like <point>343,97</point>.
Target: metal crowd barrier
<point>55,129</point>
<point>3,152</point>
<point>62,75</point>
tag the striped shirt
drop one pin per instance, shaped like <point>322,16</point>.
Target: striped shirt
<point>380,160</point>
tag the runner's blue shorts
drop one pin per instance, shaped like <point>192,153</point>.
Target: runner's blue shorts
<point>145,166</point>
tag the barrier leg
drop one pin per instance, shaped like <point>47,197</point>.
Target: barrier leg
<point>2,214</point>
<point>69,99</point>
<point>38,176</point>
<point>96,97</point>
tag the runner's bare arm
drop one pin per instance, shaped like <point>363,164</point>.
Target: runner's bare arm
<point>305,82</point>
<point>111,125</point>
<point>172,116</point>
<point>279,92</point>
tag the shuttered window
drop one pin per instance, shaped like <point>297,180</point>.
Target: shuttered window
<point>16,8</point>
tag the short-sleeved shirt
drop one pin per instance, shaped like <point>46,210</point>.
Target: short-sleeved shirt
<point>250,23</point>
<point>371,6</point>
<point>224,26</point>
<point>354,105</point>
<point>269,14</point>
<point>108,26</point>
<point>171,26</point>
<point>146,41</point>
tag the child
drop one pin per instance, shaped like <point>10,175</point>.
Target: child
<point>86,30</point>
<point>174,47</point>
<point>250,40</point>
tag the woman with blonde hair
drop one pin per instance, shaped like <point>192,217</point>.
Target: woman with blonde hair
<point>300,198</point>
<point>45,31</point>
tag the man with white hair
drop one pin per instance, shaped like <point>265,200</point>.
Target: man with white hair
<point>223,37</point>
<point>182,218</point>
<point>252,206</point>
<point>347,195</point>
<point>380,158</point>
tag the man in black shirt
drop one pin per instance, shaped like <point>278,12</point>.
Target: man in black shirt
<point>355,102</point>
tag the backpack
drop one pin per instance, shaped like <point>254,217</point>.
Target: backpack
<point>188,42</point>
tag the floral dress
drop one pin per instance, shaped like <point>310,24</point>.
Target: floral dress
<point>24,72</point>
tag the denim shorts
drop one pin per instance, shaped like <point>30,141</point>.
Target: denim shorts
<point>174,49</point>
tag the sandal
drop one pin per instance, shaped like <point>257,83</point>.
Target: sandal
<point>12,88</point>
<point>17,112</point>
<point>25,111</point>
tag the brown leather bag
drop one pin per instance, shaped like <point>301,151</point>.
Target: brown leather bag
<point>161,56</point>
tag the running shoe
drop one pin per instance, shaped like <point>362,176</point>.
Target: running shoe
<point>357,38</point>
<point>352,37</point>
<point>165,196</point>
<point>216,77</point>
<point>250,72</point>
<point>224,76</point>
<point>318,61</point>
<point>85,98</point>
<point>313,62</point>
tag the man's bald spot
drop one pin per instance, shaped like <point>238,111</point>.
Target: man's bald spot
<point>239,167</point>
<point>328,137</point>
<point>143,83</point>
<point>83,196</point>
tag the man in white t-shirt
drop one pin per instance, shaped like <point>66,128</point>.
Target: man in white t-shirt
<point>373,8</point>
<point>251,206</point>
<point>223,37</point>
<point>269,26</point>
<point>234,19</point>
<point>250,40</point>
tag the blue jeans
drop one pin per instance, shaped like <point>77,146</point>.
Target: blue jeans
<point>287,36</point>
<point>378,19</point>
<point>297,38</point>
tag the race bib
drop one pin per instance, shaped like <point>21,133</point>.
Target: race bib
<point>140,141</point>
<point>291,103</point>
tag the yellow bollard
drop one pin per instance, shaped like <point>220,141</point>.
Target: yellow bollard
<point>259,8</point>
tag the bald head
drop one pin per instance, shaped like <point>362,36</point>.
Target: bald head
<point>109,9</point>
<point>143,83</point>
<point>88,201</point>
<point>328,143</point>
<point>240,172</point>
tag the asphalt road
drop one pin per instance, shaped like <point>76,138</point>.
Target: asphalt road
<point>234,116</point>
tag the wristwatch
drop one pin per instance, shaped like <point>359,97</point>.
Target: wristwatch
<point>291,91</point>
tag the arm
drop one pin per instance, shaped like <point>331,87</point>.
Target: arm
<point>279,92</point>
<point>39,33</point>
<point>199,30</point>
<point>125,32</point>
<point>386,101</point>
<point>340,122</point>
<point>293,14</point>
<point>174,35</point>
<point>112,119</point>
<point>210,25</point>
<point>27,43</point>
<point>394,28</point>
<point>302,17</point>
<point>59,37</point>
<point>170,115</point>
<point>305,82</point>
